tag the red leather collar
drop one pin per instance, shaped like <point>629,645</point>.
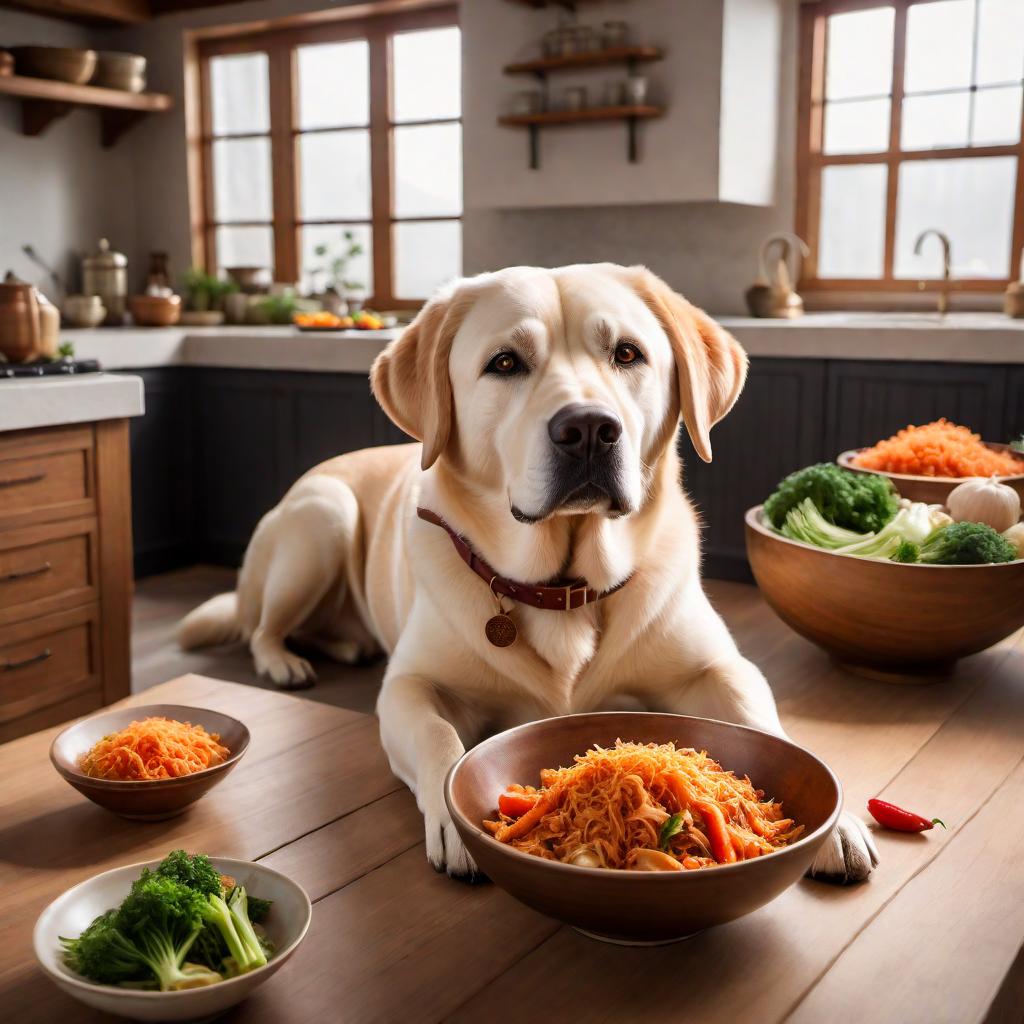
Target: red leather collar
<point>558,597</point>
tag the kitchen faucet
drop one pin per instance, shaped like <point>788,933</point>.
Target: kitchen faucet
<point>947,259</point>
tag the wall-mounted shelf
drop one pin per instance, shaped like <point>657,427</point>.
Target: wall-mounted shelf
<point>43,101</point>
<point>569,5</point>
<point>628,55</point>
<point>632,115</point>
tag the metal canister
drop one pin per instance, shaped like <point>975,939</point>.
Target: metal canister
<point>105,274</point>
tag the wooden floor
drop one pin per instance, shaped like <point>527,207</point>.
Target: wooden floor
<point>162,601</point>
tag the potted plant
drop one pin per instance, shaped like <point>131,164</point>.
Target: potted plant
<point>339,292</point>
<point>204,298</point>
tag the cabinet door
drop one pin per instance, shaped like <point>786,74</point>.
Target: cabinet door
<point>868,401</point>
<point>777,426</point>
<point>329,414</point>
<point>1014,427</point>
<point>162,444</point>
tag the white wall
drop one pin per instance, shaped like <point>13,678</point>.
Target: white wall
<point>60,191</point>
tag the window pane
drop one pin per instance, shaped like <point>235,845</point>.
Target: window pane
<point>852,231</point>
<point>245,247</point>
<point>241,179</point>
<point>427,74</point>
<point>934,122</point>
<point>334,173</point>
<point>996,117</point>
<point>358,272</point>
<point>970,200</point>
<point>939,38</point>
<point>428,170</point>
<point>1000,41</point>
<point>427,253</point>
<point>334,84</point>
<point>858,60</point>
<point>239,94</point>
<point>857,126</point>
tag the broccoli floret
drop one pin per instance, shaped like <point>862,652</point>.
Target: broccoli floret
<point>238,904</point>
<point>195,871</point>
<point>907,552</point>
<point>102,953</point>
<point>967,544</point>
<point>244,953</point>
<point>861,502</point>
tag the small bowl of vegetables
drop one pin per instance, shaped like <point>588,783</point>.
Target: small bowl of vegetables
<point>178,939</point>
<point>886,583</point>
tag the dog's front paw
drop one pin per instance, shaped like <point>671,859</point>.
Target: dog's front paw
<point>847,855</point>
<point>287,670</point>
<point>445,849</point>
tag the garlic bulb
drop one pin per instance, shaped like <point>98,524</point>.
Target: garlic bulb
<point>984,501</point>
<point>1015,535</point>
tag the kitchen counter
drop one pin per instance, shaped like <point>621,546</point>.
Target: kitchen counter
<point>52,401</point>
<point>916,337</point>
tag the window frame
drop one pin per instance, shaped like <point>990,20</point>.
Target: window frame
<point>280,45</point>
<point>811,160</point>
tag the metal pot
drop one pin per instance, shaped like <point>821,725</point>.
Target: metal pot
<point>105,274</point>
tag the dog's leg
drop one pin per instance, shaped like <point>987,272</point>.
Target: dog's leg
<point>422,745</point>
<point>734,690</point>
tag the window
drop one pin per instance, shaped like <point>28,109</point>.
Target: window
<point>336,135</point>
<point>910,118</point>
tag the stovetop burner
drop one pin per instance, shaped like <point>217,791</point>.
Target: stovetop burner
<point>56,368</point>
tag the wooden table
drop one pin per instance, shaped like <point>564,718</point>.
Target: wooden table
<point>935,935</point>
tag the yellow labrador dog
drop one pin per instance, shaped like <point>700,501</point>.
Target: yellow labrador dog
<point>547,403</point>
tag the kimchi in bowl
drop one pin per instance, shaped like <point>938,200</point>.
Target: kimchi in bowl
<point>641,906</point>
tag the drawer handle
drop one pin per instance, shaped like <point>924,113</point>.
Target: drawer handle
<point>25,574</point>
<point>17,481</point>
<point>10,666</point>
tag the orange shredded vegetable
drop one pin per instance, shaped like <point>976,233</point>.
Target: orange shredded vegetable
<point>153,748</point>
<point>938,449</point>
<point>627,806</point>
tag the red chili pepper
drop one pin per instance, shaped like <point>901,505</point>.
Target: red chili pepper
<point>890,816</point>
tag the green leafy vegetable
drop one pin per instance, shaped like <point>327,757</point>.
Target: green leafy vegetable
<point>861,502</point>
<point>196,871</point>
<point>805,523</point>
<point>967,544</point>
<point>673,826</point>
<point>907,552</point>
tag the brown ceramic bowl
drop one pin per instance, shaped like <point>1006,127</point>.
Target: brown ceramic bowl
<point>126,71</point>
<point>146,801</point>
<point>155,310</point>
<point>931,489</point>
<point>639,907</point>
<point>61,63</point>
<point>890,617</point>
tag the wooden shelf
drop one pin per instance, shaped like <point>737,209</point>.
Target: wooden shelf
<point>569,5</point>
<point>632,115</point>
<point>596,58</point>
<point>44,101</point>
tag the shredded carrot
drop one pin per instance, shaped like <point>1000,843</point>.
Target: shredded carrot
<point>153,748</point>
<point>938,449</point>
<point>613,803</point>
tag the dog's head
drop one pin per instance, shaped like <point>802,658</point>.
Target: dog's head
<point>559,389</point>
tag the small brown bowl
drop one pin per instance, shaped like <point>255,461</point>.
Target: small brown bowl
<point>911,619</point>
<point>155,310</point>
<point>931,489</point>
<point>146,801</point>
<point>640,907</point>
<point>60,63</point>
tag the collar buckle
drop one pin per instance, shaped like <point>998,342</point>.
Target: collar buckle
<point>570,590</point>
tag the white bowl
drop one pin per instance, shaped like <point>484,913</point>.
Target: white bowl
<point>70,914</point>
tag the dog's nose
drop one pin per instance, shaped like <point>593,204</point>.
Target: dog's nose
<point>585,431</point>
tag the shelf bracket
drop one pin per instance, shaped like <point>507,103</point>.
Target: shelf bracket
<point>534,147</point>
<point>38,115</point>
<point>114,123</point>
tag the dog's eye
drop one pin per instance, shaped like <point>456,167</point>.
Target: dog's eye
<point>505,364</point>
<point>626,354</point>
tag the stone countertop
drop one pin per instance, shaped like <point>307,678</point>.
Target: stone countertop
<point>924,337</point>
<point>52,401</point>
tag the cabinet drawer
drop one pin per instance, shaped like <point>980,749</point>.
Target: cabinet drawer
<point>48,660</point>
<point>45,474</point>
<point>44,568</point>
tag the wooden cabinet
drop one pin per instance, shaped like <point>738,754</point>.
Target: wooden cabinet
<point>65,573</point>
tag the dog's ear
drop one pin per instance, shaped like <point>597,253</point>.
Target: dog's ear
<point>410,377</point>
<point>710,364</point>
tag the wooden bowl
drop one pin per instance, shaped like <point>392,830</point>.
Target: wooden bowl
<point>61,63</point>
<point>639,907</point>
<point>69,914</point>
<point>155,310</point>
<point>125,71</point>
<point>881,614</point>
<point>931,489</point>
<point>146,801</point>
